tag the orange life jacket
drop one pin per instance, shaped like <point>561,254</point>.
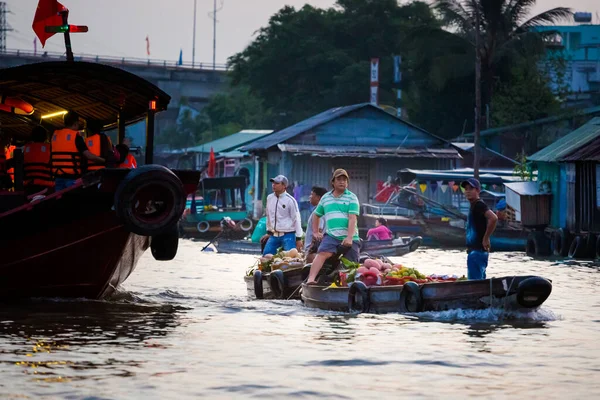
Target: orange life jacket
<point>9,154</point>
<point>94,145</point>
<point>37,165</point>
<point>129,162</point>
<point>66,159</point>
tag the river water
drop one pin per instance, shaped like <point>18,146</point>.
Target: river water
<point>186,329</point>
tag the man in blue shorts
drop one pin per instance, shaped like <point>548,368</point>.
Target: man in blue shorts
<point>481,223</point>
<point>340,208</point>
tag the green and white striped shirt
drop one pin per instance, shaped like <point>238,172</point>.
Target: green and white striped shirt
<point>336,211</point>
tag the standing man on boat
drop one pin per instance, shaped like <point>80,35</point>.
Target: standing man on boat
<point>284,226</point>
<point>316,194</point>
<point>481,223</point>
<point>340,208</point>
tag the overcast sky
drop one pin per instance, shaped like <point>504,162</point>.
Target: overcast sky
<point>119,27</point>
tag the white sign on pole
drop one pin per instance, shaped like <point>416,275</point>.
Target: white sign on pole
<point>374,95</point>
<point>374,70</point>
<point>397,73</point>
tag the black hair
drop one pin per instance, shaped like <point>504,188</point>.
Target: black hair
<point>319,191</point>
<point>39,134</point>
<point>382,221</point>
<point>94,126</point>
<point>70,118</point>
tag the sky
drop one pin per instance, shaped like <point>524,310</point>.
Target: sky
<point>119,27</point>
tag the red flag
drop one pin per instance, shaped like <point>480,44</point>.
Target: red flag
<point>47,14</point>
<point>212,164</point>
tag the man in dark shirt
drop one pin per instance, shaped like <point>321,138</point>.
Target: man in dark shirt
<point>481,223</point>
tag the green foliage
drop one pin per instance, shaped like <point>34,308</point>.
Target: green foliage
<point>522,170</point>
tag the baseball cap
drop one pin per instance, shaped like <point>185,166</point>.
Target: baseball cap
<point>339,172</point>
<point>280,179</point>
<point>473,182</point>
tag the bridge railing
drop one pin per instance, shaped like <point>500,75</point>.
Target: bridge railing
<point>124,61</point>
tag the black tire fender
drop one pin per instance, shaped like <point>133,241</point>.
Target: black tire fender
<point>565,243</point>
<point>360,290</point>
<point>598,247</point>
<point>538,244</point>
<point>164,245</point>
<point>577,247</point>
<point>141,186</point>
<point>277,282</point>
<point>415,243</point>
<point>410,298</point>
<point>246,225</point>
<point>258,284</point>
<point>532,292</point>
<point>203,226</point>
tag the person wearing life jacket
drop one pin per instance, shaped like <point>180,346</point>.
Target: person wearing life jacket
<point>129,160</point>
<point>5,182</point>
<point>37,163</point>
<point>10,149</point>
<point>69,152</point>
<point>101,146</point>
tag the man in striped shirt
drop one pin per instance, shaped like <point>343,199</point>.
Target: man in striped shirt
<point>340,208</point>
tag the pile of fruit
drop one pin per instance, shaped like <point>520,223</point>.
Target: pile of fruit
<point>282,260</point>
<point>377,272</point>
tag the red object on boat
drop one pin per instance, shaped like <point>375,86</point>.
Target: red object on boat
<point>212,164</point>
<point>47,14</point>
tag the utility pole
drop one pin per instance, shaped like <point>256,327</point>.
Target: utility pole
<point>194,39</point>
<point>4,27</point>
<point>477,153</point>
<point>214,33</point>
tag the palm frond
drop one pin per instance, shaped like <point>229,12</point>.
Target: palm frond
<point>453,13</point>
<point>517,10</point>
<point>547,17</point>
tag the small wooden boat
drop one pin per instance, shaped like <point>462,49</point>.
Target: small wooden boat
<point>390,248</point>
<point>509,293</point>
<point>278,284</point>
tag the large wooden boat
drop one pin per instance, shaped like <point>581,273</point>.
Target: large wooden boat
<point>84,241</point>
<point>509,293</point>
<point>390,248</point>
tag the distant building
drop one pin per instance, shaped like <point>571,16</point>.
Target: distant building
<point>368,142</point>
<point>579,47</point>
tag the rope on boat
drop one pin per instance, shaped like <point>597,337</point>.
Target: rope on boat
<point>299,286</point>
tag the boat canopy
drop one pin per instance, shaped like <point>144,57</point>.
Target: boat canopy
<point>232,182</point>
<point>95,91</point>
<point>488,176</point>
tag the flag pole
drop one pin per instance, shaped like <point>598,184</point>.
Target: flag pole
<point>65,20</point>
<point>194,37</point>
<point>214,33</point>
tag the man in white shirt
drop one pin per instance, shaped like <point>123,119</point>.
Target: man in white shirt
<point>284,226</point>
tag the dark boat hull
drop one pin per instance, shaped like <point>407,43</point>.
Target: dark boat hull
<point>509,293</point>
<point>291,280</point>
<point>70,244</point>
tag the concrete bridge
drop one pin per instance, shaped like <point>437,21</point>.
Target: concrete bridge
<point>195,82</point>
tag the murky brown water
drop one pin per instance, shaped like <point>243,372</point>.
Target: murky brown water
<point>185,329</point>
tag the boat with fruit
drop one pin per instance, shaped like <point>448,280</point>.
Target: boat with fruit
<point>277,276</point>
<point>377,288</point>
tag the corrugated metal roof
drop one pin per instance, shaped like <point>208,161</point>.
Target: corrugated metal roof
<point>525,188</point>
<point>227,143</point>
<point>567,145</point>
<point>317,120</point>
<point>589,152</point>
<point>368,151</point>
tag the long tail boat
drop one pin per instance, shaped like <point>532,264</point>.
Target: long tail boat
<point>84,241</point>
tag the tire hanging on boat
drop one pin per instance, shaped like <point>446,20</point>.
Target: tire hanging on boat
<point>598,247</point>
<point>532,292</point>
<point>203,226</point>
<point>538,245</point>
<point>277,283</point>
<point>562,242</point>
<point>258,284</point>
<point>360,291</point>
<point>150,200</point>
<point>246,225</point>
<point>164,245</point>
<point>577,247</point>
<point>410,298</point>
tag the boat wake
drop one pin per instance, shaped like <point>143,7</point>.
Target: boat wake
<point>489,315</point>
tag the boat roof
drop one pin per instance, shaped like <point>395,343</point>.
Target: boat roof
<point>94,91</point>
<point>487,176</point>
